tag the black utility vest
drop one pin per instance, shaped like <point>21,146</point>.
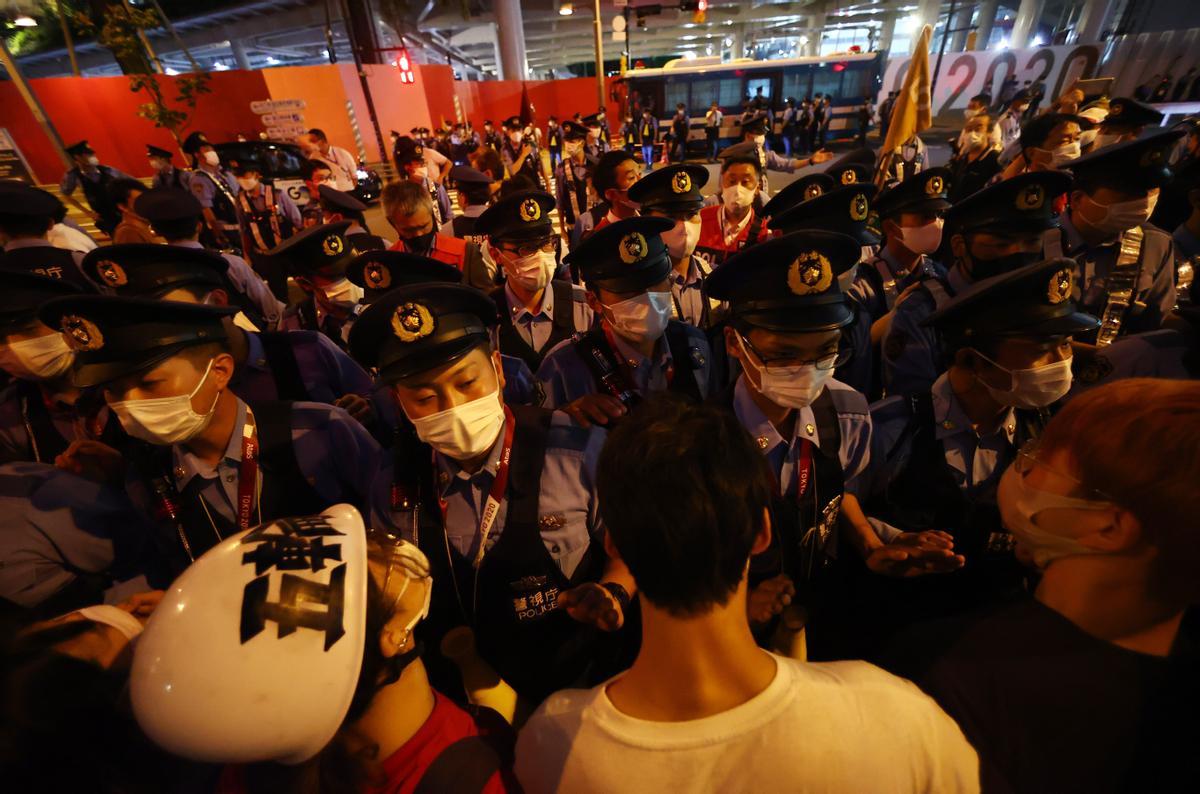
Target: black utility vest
<point>563,325</point>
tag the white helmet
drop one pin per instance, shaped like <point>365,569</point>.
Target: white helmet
<point>255,651</point>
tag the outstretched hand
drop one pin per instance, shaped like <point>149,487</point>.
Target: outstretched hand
<point>591,603</point>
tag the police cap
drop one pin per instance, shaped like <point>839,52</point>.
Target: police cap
<point>24,292</point>
<point>380,272</point>
<point>408,150</point>
<point>193,142</point>
<point>592,121</point>
<point>167,204</point>
<point>334,200</point>
<point>466,175</point>
<point>754,124</point>
<point>1034,300</point>
<point>320,249</point>
<point>117,336</point>
<point>805,188</point>
<point>524,215</point>
<point>922,192</point>
<point>744,152</point>
<point>154,151</point>
<point>1127,112</point>
<point>150,270</point>
<point>1142,164</point>
<point>418,327</point>
<point>513,123</point>
<point>26,201</point>
<point>789,283</point>
<point>625,256</point>
<point>83,147</point>
<point>573,131</point>
<point>854,167</point>
<point>676,187</point>
<point>846,210</point>
<point>1024,203</point>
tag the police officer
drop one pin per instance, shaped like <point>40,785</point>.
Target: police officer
<point>215,189</point>
<point>1126,269</point>
<point>26,216</point>
<point>94,178</point>
<point>474,195</point>
<point>491,138</point>
<point>266,218</point>
<point>636,348</point>
<point>177,217</point>
<point>1126,120</point>
<point>999,228</point>
<point>597,141</point>
<point>41,409</point>
<point>410,159</point>
<point>910,217</point>
<point>674,193</point>
<point>506,511</point>
<point>1010,120</point>
<point>787,312</point>
<point>647,137</point>
<point>845,210</point>
<point>337,205</point>
<point>282,365</point>
<point>612,178</point>
<point>554,141</point>
<point>571,177</point>
<point>519,152</point>
<point>165,172</point>
<point>854,167</point>
<point>736,221</point>
<point>316,259</point>
<point>937,456</point>
<point>215,465</point>
<point>537,311</point>
<point>754,130</point>
<point>801,189</point>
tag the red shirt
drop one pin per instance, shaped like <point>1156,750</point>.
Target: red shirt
<point>450,250</point>
<point>712,246</point>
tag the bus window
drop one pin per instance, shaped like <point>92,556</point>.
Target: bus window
<point>856,83</point>
<point>756,84</point>
<point>675,92</point>
<point>827,82</point>
<point>731,92</point>
<point>796,82</point>
<point>704,93</point>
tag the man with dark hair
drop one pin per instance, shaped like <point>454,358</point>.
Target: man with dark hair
<point>94,178</point>
<point>703,708</point>
<point>571,178</point>
<point>754,131</point>
<point>27,215</point>
<point>267,217</point>
<point>680,126</point>
<point>165,172</point>
<point>342,164</point>
<point>737,221</point>
<point>520,153</point>
<point>474,195</point>
<point>612,178</point>
<point>410,161</point>
<point>1050,141</point>
<point>554,141</point>
<point>133,228</point>
<point>409,209</point>
<point>216,190</point>
<point>647,137</point>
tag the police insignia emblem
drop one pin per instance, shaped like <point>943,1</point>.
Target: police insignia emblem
<point>848,177</point>
<point>377,276</point>
<point>1061,285</point>
<point>111,273</point>
<point>81,333</point>
<point>530,210</point>
<point>810,273</point>
<point>332,245</point>
<point>1152,157</point>
<point>681,182</point>
<point>411,322</point>
<point>551,522</point>
<point>1116,108</point>
<point>812,191</point>
<point>1031,198</point>
<point>858,207</point>
<point>632,248</point>
<point>934,185</point>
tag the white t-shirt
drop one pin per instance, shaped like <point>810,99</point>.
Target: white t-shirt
<point>833,727</point>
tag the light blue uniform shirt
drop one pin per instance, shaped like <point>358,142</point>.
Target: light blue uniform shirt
<point>912,353</point>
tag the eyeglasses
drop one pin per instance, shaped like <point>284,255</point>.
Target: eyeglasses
<point>547,244</point>
<point>1028,457</point>
<point>828,361</point>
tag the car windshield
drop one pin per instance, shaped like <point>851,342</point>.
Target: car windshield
<point>277,160</point>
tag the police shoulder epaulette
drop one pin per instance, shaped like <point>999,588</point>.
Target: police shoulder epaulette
<point>847,400</point>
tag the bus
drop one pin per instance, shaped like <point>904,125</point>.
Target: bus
<point>847,77</point>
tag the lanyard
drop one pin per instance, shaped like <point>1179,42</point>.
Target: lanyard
<point>804,468</point>
<point>248,473</point>
<point>624,365</point>
<point>491,509</point>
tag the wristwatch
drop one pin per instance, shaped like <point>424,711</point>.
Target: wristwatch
<point>620,593</point>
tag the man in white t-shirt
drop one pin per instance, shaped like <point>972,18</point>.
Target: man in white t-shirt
<point>703,708</point>
<point>341,163</point>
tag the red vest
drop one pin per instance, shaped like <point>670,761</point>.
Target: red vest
<point>712,248</point>
<point>451,250</point>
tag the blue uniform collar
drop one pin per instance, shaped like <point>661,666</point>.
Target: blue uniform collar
<point>662,353</point>
<point>757,425</point>
<point>451,475</point>
<point>517,307</point>
<point>188,465</point>
<point>256,355</point>
<point>952,420</point>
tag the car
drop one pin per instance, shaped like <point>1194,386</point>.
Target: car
<point>283,164</point>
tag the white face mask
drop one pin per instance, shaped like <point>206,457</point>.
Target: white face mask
<point>343,293</point>
<point>1019,507</point>
<point>515,137</point>
<point>158,165</point>
<point>464,431</point>
<point>642,318</point>
<point>247,183</point>
<point>420,173</point>
<point>93,160</point>
<point>532,272</point>
<point>681,239</point>
<point>788,387</point>
<point>165,420</point>
<point>922,239</point>
<point>972,112</point>
<point>1105,138</point>
<point>737,197</point>
<point>972,140</point>
<point>1066,153</point>
<point>1036,387</point>
<point>1087,138</point>
<point>759,140</point>
<point>1122,215</point>
<point>41,358</point>
<point>212,158</point>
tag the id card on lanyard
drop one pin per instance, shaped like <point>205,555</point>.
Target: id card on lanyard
<point>491,508</point>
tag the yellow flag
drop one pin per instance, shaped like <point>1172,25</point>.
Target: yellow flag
<point>911,113</point>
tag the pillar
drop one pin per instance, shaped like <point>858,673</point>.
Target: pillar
<point>816,24</point>
<point>511,27</point>
<point>926,14</point>
<point>1025,25</point>
<point>240,59</point>
<point>886,31</point>
<point>987,17</point>
<point>1092,20</point>
<point>961,23</point>
<point>737,34</point>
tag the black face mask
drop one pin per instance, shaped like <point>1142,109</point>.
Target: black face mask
<point>986,268</point>
<point>421,243</point>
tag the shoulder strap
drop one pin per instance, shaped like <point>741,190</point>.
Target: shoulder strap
<point>564,305</point>
<point>684,381</point>
<point>281,358</point>
<point>285,489</point>
<point>937,291</point>
<point>464,767</point>
<point>1121,284</point>
<point>45,442</point>
<point>825,416</point>
<point>593,349</point>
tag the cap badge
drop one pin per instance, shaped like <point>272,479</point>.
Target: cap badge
<point>1152,157</point>
<point>810,273</point>
<point>858,207</point>
<point>332,245</point>
<point>935,185</point>
<point>1116,108</point>
<point>633,248</point>
<point>812,191</point>
<point>1031,198</point>
<point>81,333</point>
<point>849,177</point>
<point>530,210</point>
<point>111,273</point>
<point>1062,283</point>
<point>681,182</point>
<point>377,276</point>
<point>411,322</point>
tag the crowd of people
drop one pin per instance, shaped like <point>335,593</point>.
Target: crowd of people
<point>595,477</point>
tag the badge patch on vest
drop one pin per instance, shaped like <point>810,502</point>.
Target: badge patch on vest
<point>111,273</point>
<point>377,276</point>
<point>533,597</point>
<point>633,248</point>
<point>411,322</point>
<point>681,182</point>
<point>810,273</point>
<point>81,333</point>
<point>858,207</point>
<point>530,210</point>
<point>332,245</point>
<point>1060,286</point>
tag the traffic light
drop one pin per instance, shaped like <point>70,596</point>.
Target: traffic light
<point>404,66</point>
